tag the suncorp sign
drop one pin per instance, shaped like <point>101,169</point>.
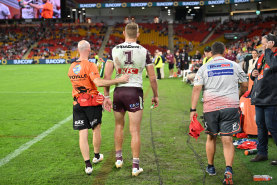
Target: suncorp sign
<point>55,61</point>
<point>22,61</point>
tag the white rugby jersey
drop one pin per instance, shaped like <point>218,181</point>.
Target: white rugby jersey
<point>28,12</point>
<point>131,59</point>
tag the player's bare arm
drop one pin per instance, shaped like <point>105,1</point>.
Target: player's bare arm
<point>107,76</point>
<point>104,83</point>
<point>34,5</point>
<point>154,84</point>
<point>194,99</point>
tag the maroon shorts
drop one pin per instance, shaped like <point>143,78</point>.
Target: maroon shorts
<point>127,99</point>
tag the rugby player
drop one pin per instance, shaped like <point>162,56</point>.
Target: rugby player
<point>26,11</point>
<point>47,8</point>
<point>220,78</point>
<point>129,58</point>
<point>85,79</point>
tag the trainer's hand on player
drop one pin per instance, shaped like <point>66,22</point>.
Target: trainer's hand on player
<point>107,104</point>
<point>255,73</point>
<point>123,79</point>
<point>192,114</point>
<point>155,101</point>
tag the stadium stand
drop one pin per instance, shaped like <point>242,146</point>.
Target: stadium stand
<point>62,41</point>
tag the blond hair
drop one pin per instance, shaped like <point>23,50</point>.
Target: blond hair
<point>131,30</point>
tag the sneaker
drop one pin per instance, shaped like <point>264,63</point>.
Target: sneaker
<point>119,163</point>
<point>95,160</point>
<point>136,172</point>
<point>88,170</point>
<point>274,162</point>
<point>211,171</point>
<point>228,177</point>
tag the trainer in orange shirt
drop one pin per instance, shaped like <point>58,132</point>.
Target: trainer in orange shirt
<point>47,9</point>
<point>85,78</point>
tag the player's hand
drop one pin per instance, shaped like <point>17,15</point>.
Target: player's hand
<point>270,44</point>
<point>124,79</point>
<point>255,73</point>
<point>155,101</point>
<point>192,114</point>
<point>107,104</point>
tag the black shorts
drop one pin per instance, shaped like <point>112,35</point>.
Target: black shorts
<point>225,122</point>
<point>86,117</point>
<point>170,66</point>
<point>127,99</point>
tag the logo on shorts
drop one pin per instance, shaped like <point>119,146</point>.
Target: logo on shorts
<point>79,123</point>
<point>77,69</point>
<point>93,122</point>
<point>206,126</point>
<point>235,126</point>
<point>134,105</point>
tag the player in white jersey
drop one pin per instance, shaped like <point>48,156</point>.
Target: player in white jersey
<point>129,58</point>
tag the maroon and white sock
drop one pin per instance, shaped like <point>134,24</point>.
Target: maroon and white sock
<point>118,155</point>
<point>136,163</point>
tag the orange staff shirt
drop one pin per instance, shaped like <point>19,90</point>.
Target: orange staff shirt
<point>81,75</point>
<point>47,11</point>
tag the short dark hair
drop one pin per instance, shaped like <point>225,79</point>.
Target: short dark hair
<point>218,48</point>
<point>208,49</point>
<point>271,37</point>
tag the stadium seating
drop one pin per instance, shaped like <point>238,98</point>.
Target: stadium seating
<point>152,36</point>
<point>62,41</point>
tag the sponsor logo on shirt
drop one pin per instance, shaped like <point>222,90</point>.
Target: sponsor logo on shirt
<point>77,69</point>
<point>126,46</point>
<point>128,71</point>
<point>220,65</point>
<point>78,76</point>
<point>222,72</point>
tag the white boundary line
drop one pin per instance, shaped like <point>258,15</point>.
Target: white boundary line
<point>27,145</point>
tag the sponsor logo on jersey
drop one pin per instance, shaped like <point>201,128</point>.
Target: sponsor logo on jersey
<point>220,65</point>
<point>78,76</point>
<point>77,69</point>
<point>220,72</point>
<point>126,46</point>
<point>128,71</point>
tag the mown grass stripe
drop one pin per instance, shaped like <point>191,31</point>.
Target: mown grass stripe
<point>27,145</point>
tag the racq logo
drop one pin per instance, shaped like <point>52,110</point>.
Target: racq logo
<point>22,61</point>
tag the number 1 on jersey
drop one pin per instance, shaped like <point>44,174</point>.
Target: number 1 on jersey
<point>128,55</point>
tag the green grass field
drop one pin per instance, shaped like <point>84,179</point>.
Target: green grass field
<point>36,97</point>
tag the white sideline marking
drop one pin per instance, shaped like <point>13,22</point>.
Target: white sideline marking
<point>27,145</point>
